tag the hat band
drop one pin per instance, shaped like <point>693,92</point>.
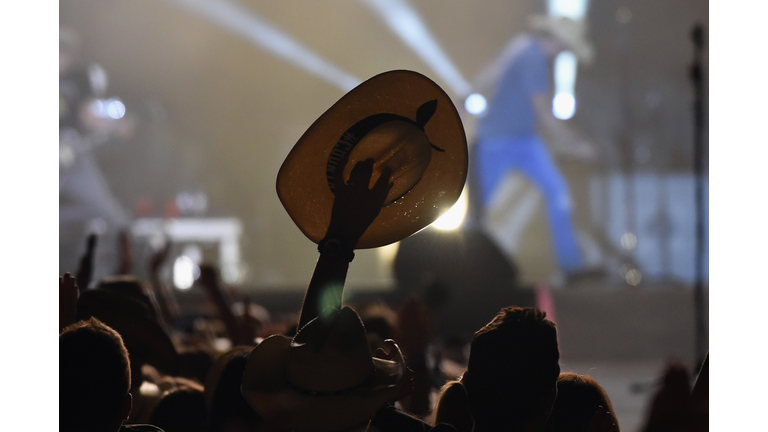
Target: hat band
<point>368,381</point>
<point>354,134</point>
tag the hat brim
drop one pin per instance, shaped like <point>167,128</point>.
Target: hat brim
<point>302,180</point>
<point>269,393</point>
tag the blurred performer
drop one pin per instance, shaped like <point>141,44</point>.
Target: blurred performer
<point>85,121</point>
<point>507,135</point>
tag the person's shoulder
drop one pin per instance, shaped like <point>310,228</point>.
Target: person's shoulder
<point>140,428</point>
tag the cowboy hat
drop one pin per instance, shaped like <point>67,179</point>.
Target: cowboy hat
<point>571,33</point>
<point>120,304</point>
<point>323,380</point>
<point>404,121</point>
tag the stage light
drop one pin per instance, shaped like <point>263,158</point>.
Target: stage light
<point>244,22</point>
<point>628,241</point>
<point>634,277</point>
<point>453,218</point>
<point>563,106</point>
<point>183,273</point>
<point>574,9</point>
<point>108,108</point>
<point>403,20</point>
<point>115,108</point>
<point>222,344</point>
<point>230,274</point>
<point>388,253</point>
<point>564,102</point>
<point>475,104</point>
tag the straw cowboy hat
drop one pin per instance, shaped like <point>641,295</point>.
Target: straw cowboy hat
<point>404,121</point>
<point>121,304</point>
<point>323,380</point>
<point>571,33</point>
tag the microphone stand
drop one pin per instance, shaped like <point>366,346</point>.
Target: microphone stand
<point>698,169</point>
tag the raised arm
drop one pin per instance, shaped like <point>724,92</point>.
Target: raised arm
<point>164,296</point>
<point>84,272</point>
<point>354,209</point>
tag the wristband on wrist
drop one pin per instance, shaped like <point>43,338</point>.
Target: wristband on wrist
<point>333,248</point>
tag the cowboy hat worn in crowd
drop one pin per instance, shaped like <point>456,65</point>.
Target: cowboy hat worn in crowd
<point>404,121</point>
<point>571,33</point>
<point>323,380</point>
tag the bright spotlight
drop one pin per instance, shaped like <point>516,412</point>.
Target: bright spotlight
<point>108,108</point>
<point>628,241</point>
<point>183,273</point>
<point>563,106</point>
<point>388,253</point>
<point>475,104</point>
<point>634,277</point>
<point>115,108</point>
<point>453,218</point>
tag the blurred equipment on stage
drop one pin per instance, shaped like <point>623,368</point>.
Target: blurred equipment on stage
<point>191,237</point>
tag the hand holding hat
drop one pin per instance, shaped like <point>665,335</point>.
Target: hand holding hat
<point>409,126</point>
<point>356,206</point>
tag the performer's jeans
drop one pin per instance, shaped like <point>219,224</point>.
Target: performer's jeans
<point>498,157</point>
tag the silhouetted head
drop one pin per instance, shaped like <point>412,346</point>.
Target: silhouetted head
<point>453,407</point>
<point>94,378</point>
<point>195,364</point>
<point>512,371</point>
<point>181,410</point>
<point>229,411</point>
<point>578,397</point>
<point>123,304</point>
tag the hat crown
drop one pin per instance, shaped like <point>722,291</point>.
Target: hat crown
<point>345,388</point>
<point>330,355</point>
<point>398,145</point>
<point>431,161</point>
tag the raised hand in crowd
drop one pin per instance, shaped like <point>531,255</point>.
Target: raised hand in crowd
<point>356,206</point>
<point>125,253</point>
<point>84,272</point>
<point>67,300</point>
<point>354,209</point>
<point>249,324</point>
<point>412,335</point>
<point>241,330</point>
<point>389,352</point>
<point>672,407</point>
<point>165,300</point>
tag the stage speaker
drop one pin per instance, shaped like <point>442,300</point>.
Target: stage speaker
<point>462,277</point>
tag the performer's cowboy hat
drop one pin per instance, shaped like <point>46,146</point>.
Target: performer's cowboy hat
<point>401,119</point>
<point>571,33</point>
<point>121,304</point>
<point>323,380</point>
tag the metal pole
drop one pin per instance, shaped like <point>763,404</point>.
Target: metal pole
<point>698,169</point>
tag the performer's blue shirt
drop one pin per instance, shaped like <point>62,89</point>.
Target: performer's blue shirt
<point>511,113</point>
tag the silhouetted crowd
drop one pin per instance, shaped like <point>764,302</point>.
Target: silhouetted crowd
<point>125,363</point>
